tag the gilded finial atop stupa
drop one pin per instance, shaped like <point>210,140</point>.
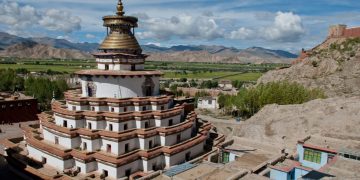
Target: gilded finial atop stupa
<point>120,8</point>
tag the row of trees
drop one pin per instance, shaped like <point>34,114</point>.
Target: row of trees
<point>249,101</point>
<point>39,87</point>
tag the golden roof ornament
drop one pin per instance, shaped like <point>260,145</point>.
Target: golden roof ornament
<point>121,36</point>
<point>120,8</point>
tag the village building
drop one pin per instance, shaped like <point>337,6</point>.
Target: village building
<point>118,125</point>
<point>226,85</point>
<point>314,161</point>
<point>15,108</point>
<point>208,103</point>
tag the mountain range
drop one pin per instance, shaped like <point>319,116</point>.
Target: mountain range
<point>45,47</point>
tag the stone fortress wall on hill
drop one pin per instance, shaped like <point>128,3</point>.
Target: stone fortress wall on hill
<point>335,31</point>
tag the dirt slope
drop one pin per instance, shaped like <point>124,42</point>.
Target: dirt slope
<point>336,69</point>
<point>336,119</point>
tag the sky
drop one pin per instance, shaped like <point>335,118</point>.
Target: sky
<point>275,24</point>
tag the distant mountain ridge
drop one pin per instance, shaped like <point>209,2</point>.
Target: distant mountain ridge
<point>184,53</point>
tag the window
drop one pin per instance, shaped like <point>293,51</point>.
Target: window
<point>125,109</point>
<point>43,160</point>
<point>209,102</point>
<point>108,148</point>
<point>90,91</point>
<point>170,122</point>
<point>150,144</point>
<point>162,108</point>
<point>74,108</point>
<point>226,157</point>
<point>148,91</point>
<point>125,127</point>
<point>106,67</point>
<point>312,156</point>
<point>178,138</point>
<point>78,169</point>
<point>84,146</point>
<point>89,126</point>
<point>56,140</point>
<point>112,109</point>
<point>92,108</point>
<point>65,123</point>
<point>154,167</point>
<point>128,172</point>
<point>105,172</point>
<point>188,156</point>
<point>144,108</point>
<point>133,67</point>
<point>146,125</point>
<point>110,127</point>
<point>126,148</point>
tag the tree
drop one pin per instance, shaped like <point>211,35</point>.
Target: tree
<point>10,81</point>
<point>250,101</point>
<point>43,88</point>
<point>193,83</point>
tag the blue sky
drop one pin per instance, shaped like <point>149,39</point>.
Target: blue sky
<point>276,24</point>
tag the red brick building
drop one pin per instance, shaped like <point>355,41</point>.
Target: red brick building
<point>14,109</point>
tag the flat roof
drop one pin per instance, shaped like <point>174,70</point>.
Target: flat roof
<point>334,143</point>
<point>343,168</point>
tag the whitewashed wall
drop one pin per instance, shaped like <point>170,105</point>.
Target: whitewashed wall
<point>180,157</point>
<point>71,123</point>
<point>86,167</point>
<point>66,142</point>
<point>172,139</point>
<point>50,160</point>
<point>165,122</point>
<point>158,161</point>
<point>119,87</point>
<point>92,145</point>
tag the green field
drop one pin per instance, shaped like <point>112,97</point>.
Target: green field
<point>242,72</point>
<point>244,77</point>
<point>37,68</point>
<point>215,75</point>
<point>200,75</point>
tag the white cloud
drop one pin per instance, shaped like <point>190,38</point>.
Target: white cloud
<point>287,27</point>
<point>68,38</point>
<point>90,36</point>
<point>21,19</point>
<point>154,43</point>
<point>242,33</point>
<point>17,17</point>
<point>183,26</point>
<point>57,20</point>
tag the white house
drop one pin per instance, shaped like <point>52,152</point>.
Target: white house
<point>208,103</point>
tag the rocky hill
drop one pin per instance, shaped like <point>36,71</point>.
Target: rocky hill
<point>335,120</point>
<point>182,53</point>
<point>42,51</point>
<point>333,66</point>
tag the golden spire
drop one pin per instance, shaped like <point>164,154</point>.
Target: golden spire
<point>120,8</point>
